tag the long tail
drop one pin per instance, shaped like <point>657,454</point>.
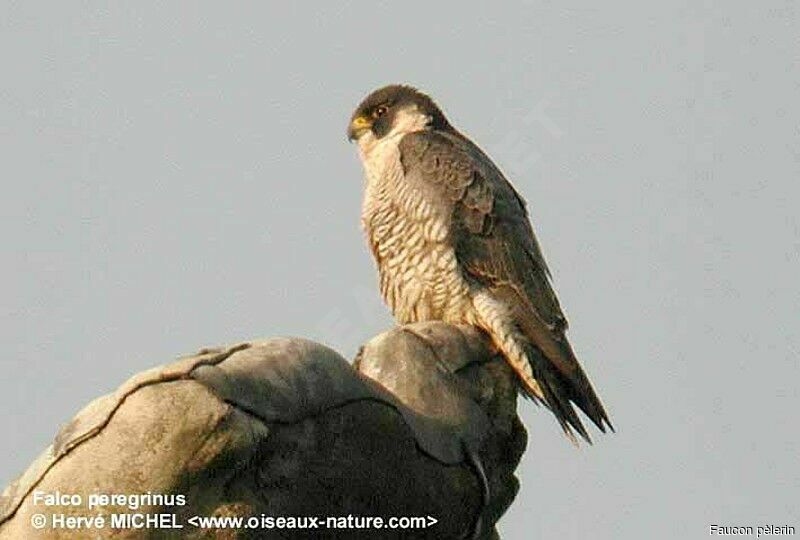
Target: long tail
<point>556,383</point>
<point>540,381</point>
<point>560,392</point>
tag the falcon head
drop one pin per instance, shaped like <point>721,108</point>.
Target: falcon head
<point>396,109</point>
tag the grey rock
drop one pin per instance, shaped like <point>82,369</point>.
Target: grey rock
<point>425,425</point>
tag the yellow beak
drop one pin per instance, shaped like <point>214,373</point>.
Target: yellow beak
<point>359,125</point>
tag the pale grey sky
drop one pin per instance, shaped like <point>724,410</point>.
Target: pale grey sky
<point>177,175</point>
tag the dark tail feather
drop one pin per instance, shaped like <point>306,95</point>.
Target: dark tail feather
<point>584,396</point>
<point>560,392</point>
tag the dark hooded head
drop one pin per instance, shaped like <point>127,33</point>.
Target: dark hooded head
<point>379,111</point>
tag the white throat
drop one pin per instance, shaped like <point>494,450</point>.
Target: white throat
<point>407,120</point>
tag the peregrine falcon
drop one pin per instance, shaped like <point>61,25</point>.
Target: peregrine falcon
<point>452,241</point>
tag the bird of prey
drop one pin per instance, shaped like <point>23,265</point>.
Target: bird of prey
<point>452,241</point>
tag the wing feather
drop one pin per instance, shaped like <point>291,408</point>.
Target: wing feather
<point>496,247</point>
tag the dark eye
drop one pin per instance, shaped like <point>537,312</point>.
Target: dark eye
<point>380,111</point>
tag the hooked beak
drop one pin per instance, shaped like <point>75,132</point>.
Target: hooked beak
<point>358,126</point>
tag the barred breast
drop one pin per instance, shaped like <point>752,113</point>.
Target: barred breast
<point>411,242</point>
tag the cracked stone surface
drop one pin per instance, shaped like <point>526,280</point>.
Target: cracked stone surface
<point>423,423</point>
